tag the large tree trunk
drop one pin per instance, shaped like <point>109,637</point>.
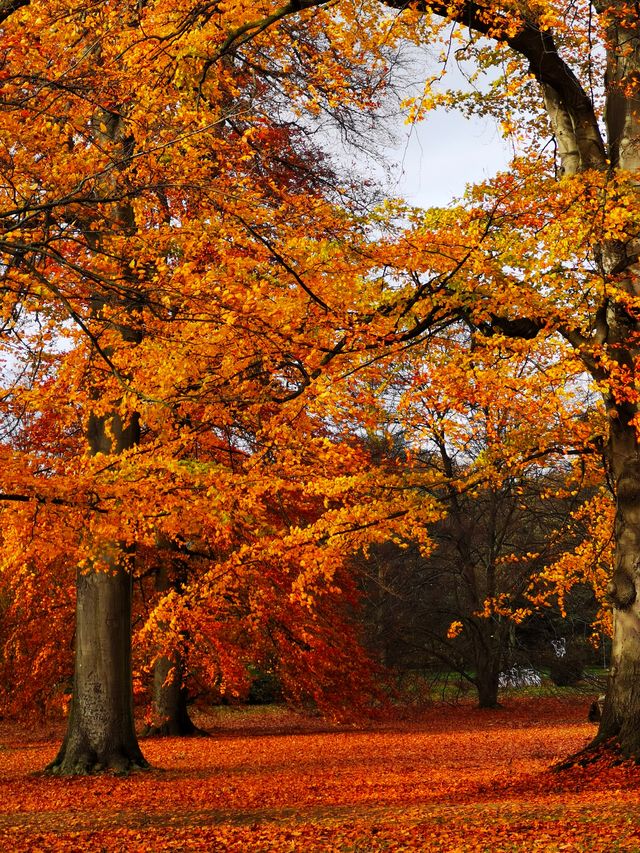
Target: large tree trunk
<point>620,723</point>
<point>101,731</point>
<point>619,331</point>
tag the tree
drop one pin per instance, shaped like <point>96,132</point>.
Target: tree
<point>548,251</point>
<point>574,275</point>
<point>501,441</point>
<point>175,275</point>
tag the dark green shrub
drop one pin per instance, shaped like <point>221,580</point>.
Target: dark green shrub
<point>265,689</point>
<point>566,671</point>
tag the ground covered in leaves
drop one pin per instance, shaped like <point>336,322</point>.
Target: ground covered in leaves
<point>449,779</point>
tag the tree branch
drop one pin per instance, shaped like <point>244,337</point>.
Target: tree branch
<point>569,107</point>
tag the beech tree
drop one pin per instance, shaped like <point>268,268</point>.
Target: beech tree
<point>576,70</point>
<point>545,255</point>
<point>174,276</point>
<point>501,438</point>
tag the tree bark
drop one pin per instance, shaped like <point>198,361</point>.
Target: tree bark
<point>170,714</point>
<point>490,638</point>
<point>101,730</point>
<point>620,724</point>
<point>487,682</point>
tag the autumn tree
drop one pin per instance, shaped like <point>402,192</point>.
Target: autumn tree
<point>133,221</point>
<point>465,607</point>
<point>269,600</point>
<point>546,253</point>
<point>174,274</point>
<point>577,278</point>
<point>501,440</point>
<point>72,221</point>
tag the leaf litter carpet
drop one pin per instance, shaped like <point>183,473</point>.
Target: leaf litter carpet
<point>449,779</point>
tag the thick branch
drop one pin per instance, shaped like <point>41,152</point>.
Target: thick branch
<point>570,108</point>
<point>248,31</point>
<point>623,83</point>
<point>563,131</point>
<point>523,327</point>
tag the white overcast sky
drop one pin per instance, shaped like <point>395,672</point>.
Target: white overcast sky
<point>431,162</point>
<point>434,160</point>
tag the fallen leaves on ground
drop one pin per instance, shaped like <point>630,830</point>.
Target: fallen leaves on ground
<point>453,779</point>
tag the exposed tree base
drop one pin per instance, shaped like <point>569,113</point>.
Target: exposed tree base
<point>100,731</point>
<point>85,764</point>
<point>491,706</point>
<point>605,751</point>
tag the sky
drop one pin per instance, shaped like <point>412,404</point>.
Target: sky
<point>434,160</point>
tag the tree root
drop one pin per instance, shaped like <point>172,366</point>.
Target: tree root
<point>606,752</point>
<point>86,765</point>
